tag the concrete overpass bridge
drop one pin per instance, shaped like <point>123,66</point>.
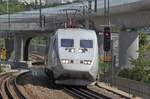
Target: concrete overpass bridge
<point>124,14</point>
<point>127,13</point>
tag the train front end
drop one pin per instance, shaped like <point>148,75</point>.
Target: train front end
<point>78,54</point>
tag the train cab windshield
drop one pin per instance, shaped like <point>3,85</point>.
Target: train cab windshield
<point>67,42</point>
<point>86,43</point>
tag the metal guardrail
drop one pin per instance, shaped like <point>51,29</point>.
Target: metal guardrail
<point>132,87</point>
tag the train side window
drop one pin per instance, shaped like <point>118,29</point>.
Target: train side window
<point>67,42</point>
<point>86,43</point>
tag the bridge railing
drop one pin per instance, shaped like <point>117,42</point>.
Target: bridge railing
<point>27,22</point>
<point>35,21</point>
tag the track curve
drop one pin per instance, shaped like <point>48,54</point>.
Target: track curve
<point>8,86</point>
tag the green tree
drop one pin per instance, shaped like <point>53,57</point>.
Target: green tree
<point>141,69</point>
<point>143,39</point>
<point>14,6</point>
<point>103,67</point>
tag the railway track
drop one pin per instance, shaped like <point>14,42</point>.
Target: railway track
<point>113,92</point>
<point>10,90</point>
<point>85,93</point>
<point>37,59</point>
<point>8,87</point>
<point>88,93</point>
<point>37,56</point>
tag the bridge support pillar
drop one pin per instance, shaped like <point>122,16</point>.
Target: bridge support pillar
<point>18,48</point>
<point>128,48</point>
<point>26,49</point>
<point>9,46</point>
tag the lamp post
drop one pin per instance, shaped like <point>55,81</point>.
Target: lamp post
<point>8,13</point>
<point>40,12</point>
<point>107,12</point>
<point>95,7</point>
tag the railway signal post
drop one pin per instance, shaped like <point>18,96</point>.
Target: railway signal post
<point>3,54</point>
<point>107,39</point>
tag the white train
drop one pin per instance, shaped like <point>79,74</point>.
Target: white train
<point>73,56</point>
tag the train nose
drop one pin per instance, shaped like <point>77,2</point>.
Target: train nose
<point>75,75</point>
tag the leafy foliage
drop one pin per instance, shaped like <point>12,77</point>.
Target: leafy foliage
<point>103,67</point>
<point>15,6</point>
<point>143,39</point>
<point>39,40</point>
<point>141,69</point>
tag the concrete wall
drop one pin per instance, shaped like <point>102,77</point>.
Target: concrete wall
<point>9,45</point>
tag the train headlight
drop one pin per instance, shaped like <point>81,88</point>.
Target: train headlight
<point>89,62</point>
<point>86,62</point>
<point>63,61</point>
<point>80,51</point>
<point>72,50</point>
<point>66,61</point>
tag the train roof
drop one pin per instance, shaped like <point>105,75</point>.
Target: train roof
<point>76,32</point>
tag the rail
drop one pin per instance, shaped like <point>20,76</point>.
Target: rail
<point>16,85</point>
<point>85,93</point>
<point>114,92</point>
<point>9,88</point>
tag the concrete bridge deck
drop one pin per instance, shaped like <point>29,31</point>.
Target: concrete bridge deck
<point>127,13</point>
